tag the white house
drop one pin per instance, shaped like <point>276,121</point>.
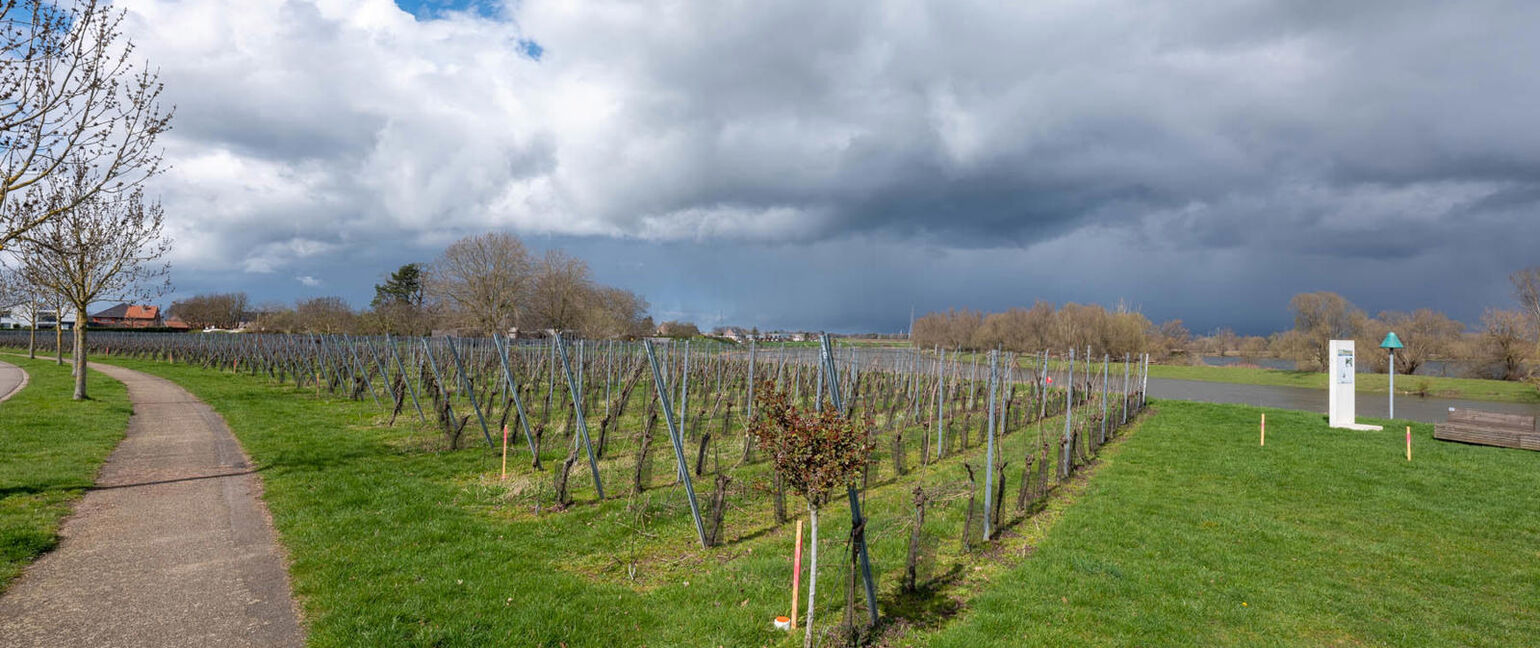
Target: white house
<point>19,317</point>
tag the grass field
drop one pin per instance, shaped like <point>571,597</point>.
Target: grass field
<point>1467,388</point>
<point>1186,533</point>
<point>396,542</point>
<point>50,449</point>
<point>1192,534</point>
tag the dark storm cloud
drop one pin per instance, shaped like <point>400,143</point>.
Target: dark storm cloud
<point>1205,160</point>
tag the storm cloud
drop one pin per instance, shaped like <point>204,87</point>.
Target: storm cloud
<point>832,165</point>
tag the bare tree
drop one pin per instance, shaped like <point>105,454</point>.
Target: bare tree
<point>221,310</point>
<point>324,315</point>
<point>1427,334</point>
<point>1320,317</point>
<point>561,292</point>
<point>1505,341</point>
<point>483,280</point>
<point>1526,287</point>
<point>105,246</point>
<point>21,296</point>
<point>613,312</point>
<point>69,97</point>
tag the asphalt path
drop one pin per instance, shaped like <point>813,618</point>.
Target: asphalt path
<point>172,547</point>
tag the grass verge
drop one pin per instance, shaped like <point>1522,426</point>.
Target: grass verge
<point>1193,534</point>
<point>50,450</point>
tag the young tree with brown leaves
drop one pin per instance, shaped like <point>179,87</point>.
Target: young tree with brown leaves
<point>815,454</point>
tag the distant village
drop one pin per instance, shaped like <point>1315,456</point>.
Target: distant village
<point>144,317</point>
<point>120,316</point>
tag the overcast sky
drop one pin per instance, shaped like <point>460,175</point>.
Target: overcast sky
<point>835,164</point>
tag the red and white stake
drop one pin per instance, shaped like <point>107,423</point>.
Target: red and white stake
<point>1408,443</point>
<point>796,575</point>
<point>1264,430</point>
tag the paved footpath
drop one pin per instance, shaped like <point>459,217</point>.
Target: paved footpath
<point>12,379</point>
<point>173,547</point>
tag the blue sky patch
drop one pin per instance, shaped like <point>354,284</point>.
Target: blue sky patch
<point>431,9</point>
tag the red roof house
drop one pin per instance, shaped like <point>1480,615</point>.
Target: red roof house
<point>128,316</point>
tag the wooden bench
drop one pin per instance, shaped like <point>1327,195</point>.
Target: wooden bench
<point>1489,428</point>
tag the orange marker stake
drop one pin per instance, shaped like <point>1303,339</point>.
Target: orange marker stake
<point>1408,443</point>
<point>796,575</point>
<point>1264,430</point>
<point>505,452</point>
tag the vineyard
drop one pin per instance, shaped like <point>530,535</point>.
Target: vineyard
<point>963,447</point>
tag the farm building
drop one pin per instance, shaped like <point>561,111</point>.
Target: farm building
<point>128,316</point>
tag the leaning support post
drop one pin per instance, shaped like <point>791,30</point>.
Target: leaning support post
<point>362,370</point>
<point>470,392</point>
<point>941,401</point>
<point>856,521</point>
<point>518,403</point>
<point>749,409</point>
<point>401,366</point>
<point>1104,398</point>
<point>989,439</point>
<point>1069,406</point>
<point>1144,386</point>
<point>675,436</point>
<point>577,407</point>
<point>1125,389</point>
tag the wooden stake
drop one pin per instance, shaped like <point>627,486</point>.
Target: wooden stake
<point>1264,430</point>
<point>505,452</point>
<point>1408,443</point>
<point>796,575</point>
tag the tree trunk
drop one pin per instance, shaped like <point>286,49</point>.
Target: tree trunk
<point>80,361</point>
<point>32,340</point>
<point>812,574</point>
<point>58,341</point>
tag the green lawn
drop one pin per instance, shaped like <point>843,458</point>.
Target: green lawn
<point>1325,537</point>
<point>1467,388</point>
<point>50,449</point>
<point>395,542</point>
<point>1192,534</point>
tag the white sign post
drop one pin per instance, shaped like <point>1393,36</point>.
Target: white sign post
<point>1342,375</point>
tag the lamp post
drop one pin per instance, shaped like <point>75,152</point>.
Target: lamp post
<point>1390,344</point>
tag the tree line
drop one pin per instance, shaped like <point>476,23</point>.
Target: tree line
<point>1044,326</point>
<point>482,284</point>
<point>1506,345</point>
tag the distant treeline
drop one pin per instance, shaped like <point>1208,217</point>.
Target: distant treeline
<point>1503,347</point>
<point>1043,326</point>
<point>482,284</point>
<point>1506,346</point>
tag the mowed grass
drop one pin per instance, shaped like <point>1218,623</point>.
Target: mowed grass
<point>394,542</point>
<point>1466,388</point>
<point>1192,534</point>
<point>1186,533</point>
<point>50,450</point>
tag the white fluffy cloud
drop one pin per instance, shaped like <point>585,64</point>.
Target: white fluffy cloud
<point>309,130</point>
